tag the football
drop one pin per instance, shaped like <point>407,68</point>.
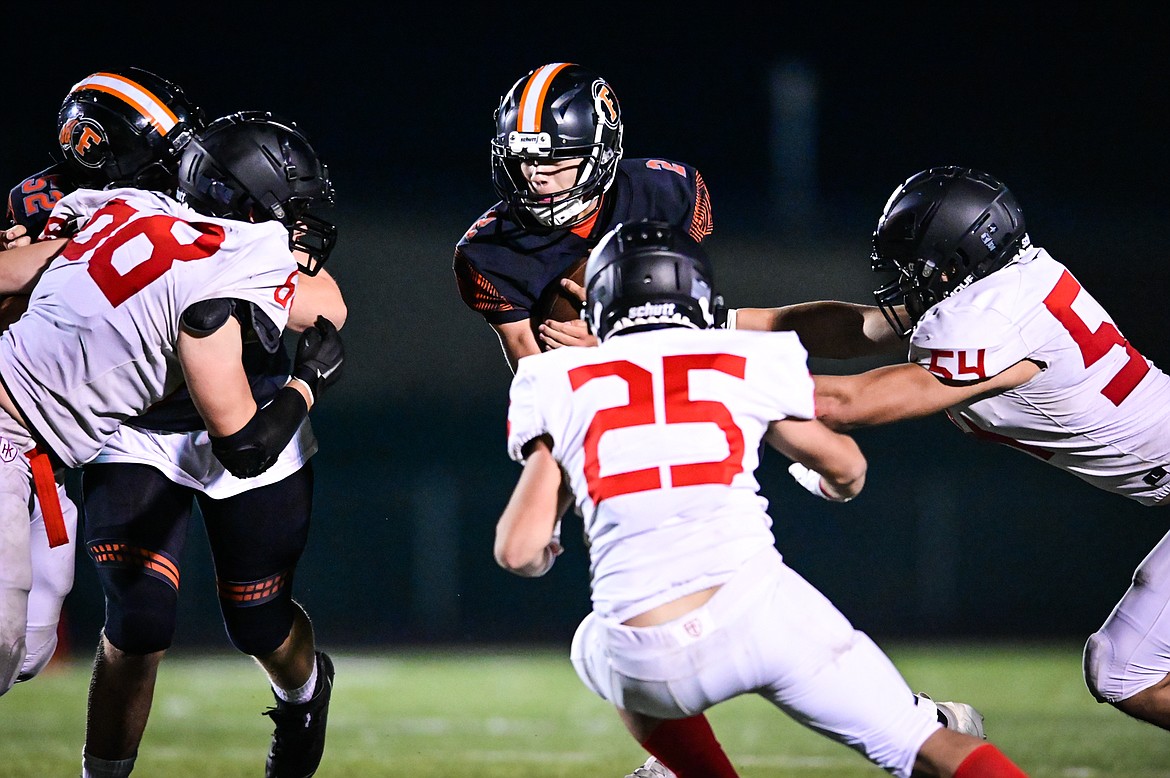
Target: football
<point>557,304</point>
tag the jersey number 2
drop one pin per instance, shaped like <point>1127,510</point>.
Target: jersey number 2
<point>678,409</point>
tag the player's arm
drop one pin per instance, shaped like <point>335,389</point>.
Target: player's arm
<point>834,460</point>
<point>317,295</point>
<point>828,328</point>
<point>247,440</point>
<point>907,391</point>
<point>527,541</point>
<point>20,267</point>
<point>517,341</point>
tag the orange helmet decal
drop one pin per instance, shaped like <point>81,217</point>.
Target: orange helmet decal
<point>140,98</point>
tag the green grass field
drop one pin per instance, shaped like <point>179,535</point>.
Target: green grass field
<point>523,714</point>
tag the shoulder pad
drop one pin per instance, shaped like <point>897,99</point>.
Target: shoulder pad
<point>207,316</point>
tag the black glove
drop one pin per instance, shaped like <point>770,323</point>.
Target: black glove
<point>319,357</point>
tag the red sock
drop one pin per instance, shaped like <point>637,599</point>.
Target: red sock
<point>689,748</point>
<point>987,761</point>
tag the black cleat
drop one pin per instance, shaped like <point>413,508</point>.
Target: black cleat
<point>299,738</point>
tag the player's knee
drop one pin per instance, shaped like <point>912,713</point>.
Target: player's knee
<point>11,658</point>
<point>1098,664</point>
<point>261,630</point>
<point>40,645</point>
<point>142,620</point>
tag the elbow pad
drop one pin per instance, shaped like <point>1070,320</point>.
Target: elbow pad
<point>253,449</point>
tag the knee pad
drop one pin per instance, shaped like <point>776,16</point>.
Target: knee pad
<point>11,659</point>
<point>258,615</point>
<point>1098,659</point>
<point>140,603</point>
<point>40,645</point>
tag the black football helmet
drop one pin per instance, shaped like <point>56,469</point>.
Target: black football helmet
<point>646,275</point>
<point>941,230</point>
<point>127,128</point>
<point>252,167</point>
<point>557,111</point>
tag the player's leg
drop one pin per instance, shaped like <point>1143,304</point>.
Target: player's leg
<point>681,742</point>
<point>52,578</point>
<point>15,562</point>
<point>134,528</point>
<point>1126,661</point>
<point>257,539</point>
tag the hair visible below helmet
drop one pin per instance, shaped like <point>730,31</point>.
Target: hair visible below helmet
<point>252,167</point>
<point>557,111</point>
<point>646,275</point>
<point>126,127</point>
<point>941,230</point>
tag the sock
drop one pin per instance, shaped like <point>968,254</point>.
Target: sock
<point>92,767</point>
<point>302,693</point>
<point>689,748</point>
<point>987,761</point>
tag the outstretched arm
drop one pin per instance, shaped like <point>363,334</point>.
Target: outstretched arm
<point>317,295</point>
<point>906,391</point>
<point>827,328</point>
<point>21,266</point>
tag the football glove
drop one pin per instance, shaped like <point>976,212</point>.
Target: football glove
<point>320,354</point>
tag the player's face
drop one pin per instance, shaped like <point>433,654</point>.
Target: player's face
<point>549,176</point>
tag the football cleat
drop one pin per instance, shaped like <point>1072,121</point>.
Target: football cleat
<point>652,769</point>
<point>958,716</point>
<point>298,741</point>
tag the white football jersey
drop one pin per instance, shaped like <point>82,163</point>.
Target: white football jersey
<point>98,343</point>
<point>1097,409</point>
<point>659,433</point>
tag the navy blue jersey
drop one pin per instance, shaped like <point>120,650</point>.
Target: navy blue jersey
<point>502,268</point>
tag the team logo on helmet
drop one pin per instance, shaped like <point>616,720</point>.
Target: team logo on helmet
<point>606,103</point>
<point>84,140</point>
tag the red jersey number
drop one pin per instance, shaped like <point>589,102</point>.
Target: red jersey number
<point>678,409</point>
<point>1095,344</point>
<point>113,232</point>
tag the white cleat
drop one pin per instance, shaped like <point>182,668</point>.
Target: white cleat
<point>958,716</point>
<point>652,769</point>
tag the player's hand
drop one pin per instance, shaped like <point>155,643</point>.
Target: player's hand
<point>320,354</point>
<point>812,481</point>
<point>555,334</point>
<point>573,288</point>
<point>14,237</point>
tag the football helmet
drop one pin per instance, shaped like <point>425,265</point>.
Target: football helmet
<point>126,127</point>
<point>941,230</point>
<point>557,111</point>
<point>646,275</point>
<point>253,167</point>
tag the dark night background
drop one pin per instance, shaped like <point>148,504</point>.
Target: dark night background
<point>952,538</point>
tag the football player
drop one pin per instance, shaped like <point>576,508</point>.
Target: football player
<point>692,603</point>
<point>558,169</point>
<point>1006,340</point>
<point>139,490</point>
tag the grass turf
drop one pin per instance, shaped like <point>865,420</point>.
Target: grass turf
<point>515,713</point>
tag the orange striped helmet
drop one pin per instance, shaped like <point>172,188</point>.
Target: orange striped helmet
<point>557,111</point>
<point>126,127</point>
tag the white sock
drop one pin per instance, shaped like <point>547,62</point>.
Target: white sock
<point>92,767</point>
<point>302,693</point>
